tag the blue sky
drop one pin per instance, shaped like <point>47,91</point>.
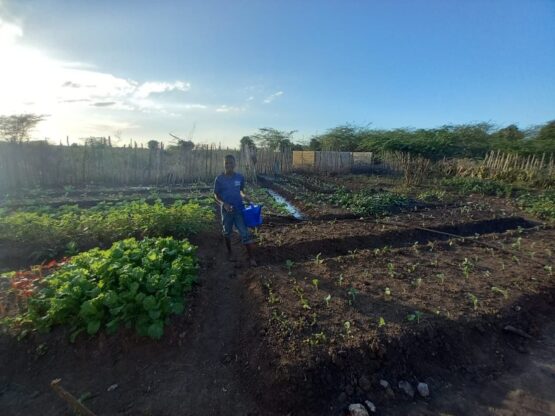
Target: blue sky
<point>141,69</point>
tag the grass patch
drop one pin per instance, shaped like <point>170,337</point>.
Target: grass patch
<point>467,185</point>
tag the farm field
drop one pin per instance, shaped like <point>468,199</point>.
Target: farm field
<point>445,283</point>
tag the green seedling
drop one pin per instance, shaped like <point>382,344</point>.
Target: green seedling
<point>415,247</point>
<point>289,264</point>
<point>318,260</point>
<point>381,322</point>
<point>515,259</point>
<point>441,277</point>
<point>304,303</point>
<point>390,269</point>
<point>347,326</point>
<point>503,292</point>
<point>517,244</point>
<point>340,279</point>
<point>387,293</point>
<point>414,316</point>
<point>466,267</point>
<point>327,300</point>
<point>353,253</point>
<point>548,269</point>
<point>316,339</point>
<point>417,282</point>
<point>315,283</point>
<point>352,293</point>
<point>473,300</point>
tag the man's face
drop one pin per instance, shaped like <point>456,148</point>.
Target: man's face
<point>229,165</point>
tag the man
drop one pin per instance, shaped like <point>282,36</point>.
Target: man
<point>229,193</point>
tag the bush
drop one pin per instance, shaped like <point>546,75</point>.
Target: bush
<point>467,185</point>
<point>542,205</point>
<point>135,284</point>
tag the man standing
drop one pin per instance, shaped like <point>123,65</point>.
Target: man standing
<point>229,193</point>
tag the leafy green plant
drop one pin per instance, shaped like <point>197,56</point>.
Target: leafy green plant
<point>134,283</point>
<point>315,283</point>
<point>381,322</point>
<point>542,205</point>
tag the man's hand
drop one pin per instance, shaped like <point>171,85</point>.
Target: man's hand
<point>228,207</point>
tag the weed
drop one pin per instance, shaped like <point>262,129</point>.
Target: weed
<point>315,283</point>
<point>327,300</point>
<point>340,280</point>
<point>381,322</point>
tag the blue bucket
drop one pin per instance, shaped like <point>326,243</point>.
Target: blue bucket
<point>253,215</point>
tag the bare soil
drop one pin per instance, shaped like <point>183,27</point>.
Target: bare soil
<point>265,341</point>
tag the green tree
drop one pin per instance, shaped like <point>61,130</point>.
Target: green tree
<point>17,128</point>
<point>274,139</point>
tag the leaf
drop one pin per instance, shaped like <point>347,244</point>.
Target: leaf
<point>177,307</point>
<point>154,314</point>
<point>93,327</point>
<point>149,303</point>
<point>156,330</point>
<point>381,322</point>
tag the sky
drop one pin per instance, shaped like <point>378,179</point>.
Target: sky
<point>219,70</point>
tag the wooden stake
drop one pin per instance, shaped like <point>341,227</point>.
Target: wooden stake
<point>75,404</point>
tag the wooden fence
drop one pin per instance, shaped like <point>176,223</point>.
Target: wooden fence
<point>39,164</point>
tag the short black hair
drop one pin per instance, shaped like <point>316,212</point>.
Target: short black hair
<point>229,157</point>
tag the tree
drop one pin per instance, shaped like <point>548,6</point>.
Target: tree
<point>17,128</point>
<point>153,144</point>
<point>274,139</point>
<point>248,142</point>
<point>510,133</point>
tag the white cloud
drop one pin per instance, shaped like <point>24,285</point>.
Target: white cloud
<point>144,90</point>
<point>228,109</point>
<point>272,97</point>
<point>73,93</point>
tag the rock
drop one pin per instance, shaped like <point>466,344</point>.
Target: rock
<point>357,409</point>
<point>371,406</point>
<point>384,384</point>
<point>423,389</point>
<point>112,387</point>
<point>407,388</point>
<point>364,383</point>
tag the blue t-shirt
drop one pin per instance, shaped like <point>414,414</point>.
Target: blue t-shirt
<point>229,188</point>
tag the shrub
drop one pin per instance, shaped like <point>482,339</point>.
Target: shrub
<point>542,205</point>
<point>467,185</point>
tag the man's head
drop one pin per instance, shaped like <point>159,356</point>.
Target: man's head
<point>229,164</point>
